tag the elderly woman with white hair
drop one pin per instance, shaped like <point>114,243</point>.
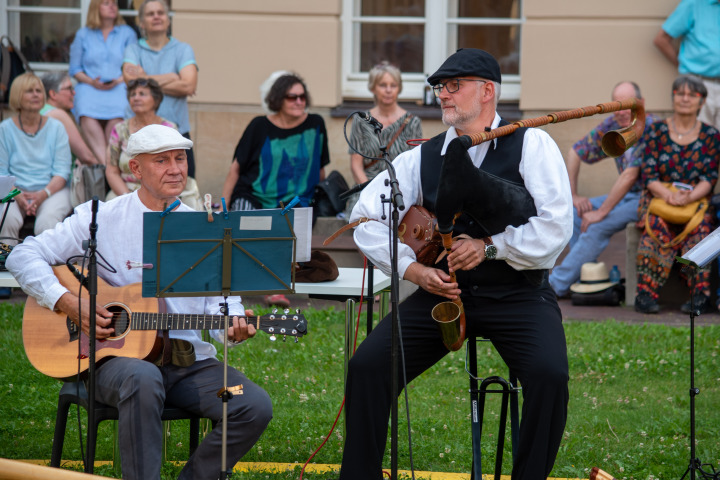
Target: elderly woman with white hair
<point>399,126</point>
<point>34,149</point>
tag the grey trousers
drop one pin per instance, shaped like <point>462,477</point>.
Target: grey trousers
<point>139,389</point>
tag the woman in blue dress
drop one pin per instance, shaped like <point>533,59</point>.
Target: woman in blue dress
<point>96,57</point>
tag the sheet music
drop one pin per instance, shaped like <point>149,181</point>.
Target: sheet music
<point>6,185</point>
<point>706,251</point>
<point>303,232</point>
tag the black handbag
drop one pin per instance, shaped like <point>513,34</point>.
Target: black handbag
<point>326,200</point>
<point>12,64</point>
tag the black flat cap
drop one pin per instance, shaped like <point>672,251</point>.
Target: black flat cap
<point>468,61</point>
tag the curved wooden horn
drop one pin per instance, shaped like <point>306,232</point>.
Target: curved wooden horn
<point>614,143</point>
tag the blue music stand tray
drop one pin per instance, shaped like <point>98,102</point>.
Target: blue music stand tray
<point>238,253</point>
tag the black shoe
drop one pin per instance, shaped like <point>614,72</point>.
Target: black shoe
<point>644,303</point>
<point>701,305</point>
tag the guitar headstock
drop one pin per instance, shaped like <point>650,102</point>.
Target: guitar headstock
<point>284,323</point>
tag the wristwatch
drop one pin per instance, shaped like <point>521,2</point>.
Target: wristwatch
<point>490,249</point>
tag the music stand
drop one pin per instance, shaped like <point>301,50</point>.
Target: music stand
<point>186,255</point>
<point>698,257</point>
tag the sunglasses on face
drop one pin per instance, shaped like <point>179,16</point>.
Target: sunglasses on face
<point>292,97</point>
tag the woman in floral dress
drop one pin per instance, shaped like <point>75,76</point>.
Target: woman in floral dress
<point>684,151</point>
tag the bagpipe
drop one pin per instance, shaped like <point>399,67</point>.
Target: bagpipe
<point>494,203</point>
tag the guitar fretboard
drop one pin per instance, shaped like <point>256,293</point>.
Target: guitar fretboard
<point>179,321</point>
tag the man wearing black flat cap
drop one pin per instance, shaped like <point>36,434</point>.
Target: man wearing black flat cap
<point>501,275</point>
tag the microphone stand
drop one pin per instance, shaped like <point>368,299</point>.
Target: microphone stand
<point>91,246</point>
<point>397,204</point>
<point>695,466</point>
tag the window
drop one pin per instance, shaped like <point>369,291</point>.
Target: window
<point>418,35</point>
<point>45,29</point>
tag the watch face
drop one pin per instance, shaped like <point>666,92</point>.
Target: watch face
<point>490,251</point>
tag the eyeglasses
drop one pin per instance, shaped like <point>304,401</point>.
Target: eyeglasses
<point>678,93</point>
<point>292,97</point>
<point>69,88</point>
<point>452,85</point>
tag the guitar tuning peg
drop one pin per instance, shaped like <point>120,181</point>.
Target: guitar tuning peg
<point>274,310</point>
<point>286,311</point>
<point>296,339</point>
<point>297,311</point>
<point>284,338</point>
<point>273,338</point>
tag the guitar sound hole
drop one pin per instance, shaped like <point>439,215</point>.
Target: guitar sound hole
<point>120,321</point>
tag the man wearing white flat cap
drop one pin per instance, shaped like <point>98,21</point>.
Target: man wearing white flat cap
<point>137,388</point>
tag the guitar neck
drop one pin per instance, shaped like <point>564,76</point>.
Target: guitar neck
<point>179,321</point>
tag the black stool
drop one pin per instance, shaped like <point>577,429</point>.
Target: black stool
<point>74,393</point>
<point>479,387</point>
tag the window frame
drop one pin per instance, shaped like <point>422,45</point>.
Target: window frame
<point>13,31</point>
<point>438,25</point>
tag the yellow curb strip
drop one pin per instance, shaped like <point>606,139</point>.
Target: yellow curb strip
<point>275,467</point>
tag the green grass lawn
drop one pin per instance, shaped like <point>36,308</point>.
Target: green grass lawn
<point>629,403</point>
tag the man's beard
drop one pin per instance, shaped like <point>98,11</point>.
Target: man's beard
<point>454,118</point>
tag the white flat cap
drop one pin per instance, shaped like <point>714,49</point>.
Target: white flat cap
<point>156,139</point>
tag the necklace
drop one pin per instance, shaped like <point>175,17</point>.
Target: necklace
<point>679,134</point>
<point>31,135</point>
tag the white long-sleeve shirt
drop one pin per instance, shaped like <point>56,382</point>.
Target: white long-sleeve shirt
<point>119,239</point>
<point>534,245</point>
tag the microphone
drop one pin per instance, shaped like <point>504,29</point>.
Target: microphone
<point>372,121</point>
<point>354,189</point>
<point>79,276</point>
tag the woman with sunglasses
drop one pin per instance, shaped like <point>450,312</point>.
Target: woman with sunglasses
<point>281,155</point>
<point>144,96</point>
<point>683,151</point>
<point>96,58</point>
<point>399,126</point>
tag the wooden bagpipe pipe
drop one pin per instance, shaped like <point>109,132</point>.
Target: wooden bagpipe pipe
<point>494,203</point>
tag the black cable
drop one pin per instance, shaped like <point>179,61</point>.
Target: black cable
<point>348,140</point>
<point>82,282</point>
<point>79,356</point>
<point>404,373</point>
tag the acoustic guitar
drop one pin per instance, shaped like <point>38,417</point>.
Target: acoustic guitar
<point>57,347</point>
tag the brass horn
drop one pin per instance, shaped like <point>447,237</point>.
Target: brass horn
<point>617,140</point>
<point>495,203</point>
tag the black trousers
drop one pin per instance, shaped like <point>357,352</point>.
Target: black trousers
<point>526,329</point>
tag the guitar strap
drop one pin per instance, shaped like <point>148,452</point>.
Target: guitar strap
<point>178,352</point>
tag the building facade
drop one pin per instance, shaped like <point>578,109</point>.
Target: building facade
<point>555,55</point>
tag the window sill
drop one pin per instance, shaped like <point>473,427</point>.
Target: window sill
<point>509,111</point>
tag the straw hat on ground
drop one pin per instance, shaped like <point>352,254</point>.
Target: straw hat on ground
<point>594,277</point>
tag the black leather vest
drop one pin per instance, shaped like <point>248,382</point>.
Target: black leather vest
<point>502,160</point>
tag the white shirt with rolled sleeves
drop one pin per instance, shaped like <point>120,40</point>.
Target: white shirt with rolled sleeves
<point>534,245</point>
<point>119,238</point>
